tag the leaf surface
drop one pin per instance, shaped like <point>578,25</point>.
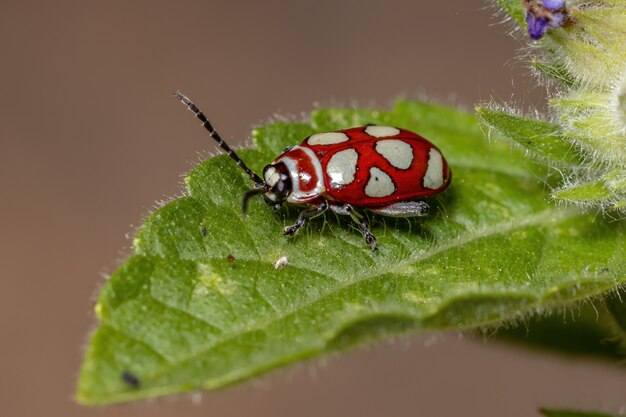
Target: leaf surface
<point>610,189</point>
<point>543,140</point>
<point>587,331</point>
<point>556,72</point>
<point>200,304</point>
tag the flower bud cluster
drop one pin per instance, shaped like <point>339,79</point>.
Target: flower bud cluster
<point>584,43</point>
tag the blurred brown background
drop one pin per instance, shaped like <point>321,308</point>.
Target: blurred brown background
<point>91,137</point>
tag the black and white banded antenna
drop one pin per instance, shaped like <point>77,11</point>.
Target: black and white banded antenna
<point>215,135</point>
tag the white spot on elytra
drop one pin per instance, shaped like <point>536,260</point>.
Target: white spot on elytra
<point>328,138</point>
<point>433,178</point>
<point>379,184</point>
<point>398,153</point>
<point>341,167</point>
<point>381,131</point>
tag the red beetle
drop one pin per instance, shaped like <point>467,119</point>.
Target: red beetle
<point>383,169</point>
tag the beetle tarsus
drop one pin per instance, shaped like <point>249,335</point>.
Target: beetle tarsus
<point>348,210</point>
<point>303,217</point>
<point>370,239</point>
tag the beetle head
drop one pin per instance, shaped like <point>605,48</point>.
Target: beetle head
<point>278,182</point>
<point>275,188</point>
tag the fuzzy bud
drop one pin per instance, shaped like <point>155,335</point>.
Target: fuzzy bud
<point>595,120</point>
<point>582,46</point>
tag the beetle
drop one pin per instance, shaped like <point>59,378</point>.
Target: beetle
<point>380,168</point>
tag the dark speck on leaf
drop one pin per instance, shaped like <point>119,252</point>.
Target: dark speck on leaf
<point>130,379</point>
<point>203,231</point>
<point>230,259</point>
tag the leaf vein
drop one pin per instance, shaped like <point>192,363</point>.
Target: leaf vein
<point>547,215</point>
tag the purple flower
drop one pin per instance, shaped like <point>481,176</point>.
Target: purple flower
<point>544,15</point>
<point>553,5</point>
<point>558,19</point>
<point>537,26</point>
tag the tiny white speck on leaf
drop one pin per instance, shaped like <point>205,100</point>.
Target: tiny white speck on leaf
<point>281,262</point>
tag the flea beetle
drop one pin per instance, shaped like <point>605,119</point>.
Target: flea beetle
<point>380,168</point>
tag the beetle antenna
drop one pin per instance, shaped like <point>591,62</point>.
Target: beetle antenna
<point>247,196</point>
<point>215,135</point>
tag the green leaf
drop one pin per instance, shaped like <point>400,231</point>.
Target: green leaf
<point>584,332</point>
<point>200,304</point>
<point>610,190</point>
<point>557,72</point>
<point>548,412</point>
<point>616,306</point>
<point>541,139</point>
<point>514,9</point>
<point>586,192</point>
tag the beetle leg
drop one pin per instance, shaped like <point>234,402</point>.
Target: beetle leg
<point>304,216</point>
<point>348,210</point>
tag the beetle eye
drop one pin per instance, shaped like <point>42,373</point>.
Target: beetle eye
<point>282,188</point>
